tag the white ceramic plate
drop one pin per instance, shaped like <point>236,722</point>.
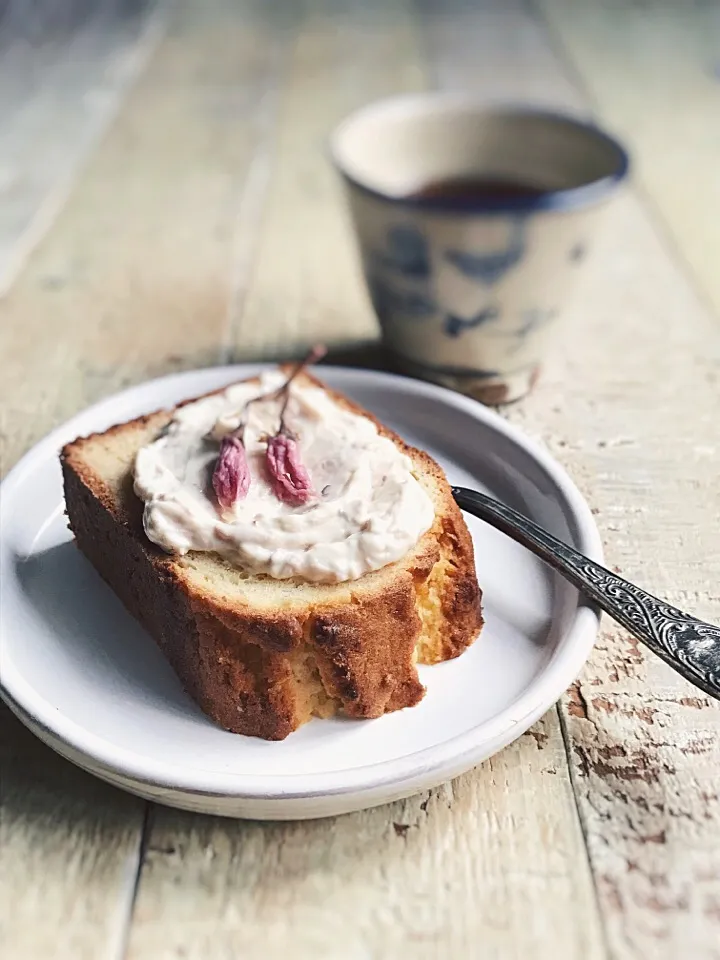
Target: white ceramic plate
<point>87,679</point>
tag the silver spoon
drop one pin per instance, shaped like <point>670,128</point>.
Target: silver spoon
<point>688,645</point>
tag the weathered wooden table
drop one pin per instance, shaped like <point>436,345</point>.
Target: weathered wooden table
<point>164,204</point>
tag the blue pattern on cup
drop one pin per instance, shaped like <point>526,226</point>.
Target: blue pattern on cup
<point>488,268</point>
<point>455,325</point>
<point>407,253</point>
<point>387,299</point>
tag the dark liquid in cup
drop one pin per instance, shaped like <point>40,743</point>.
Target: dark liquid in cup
<point>477,190</point>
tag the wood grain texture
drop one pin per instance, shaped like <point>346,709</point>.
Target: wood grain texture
<point>653,71</point>
<point>439,874</point>
<point>134,278</point>
<point>206,225</point>
<point>483,867</point>
<point>60,86</point>
<point>644,744</point>
<point>629,404</point>
<point>305,284</point>
<point>69,854</point>
<point>137,273</point>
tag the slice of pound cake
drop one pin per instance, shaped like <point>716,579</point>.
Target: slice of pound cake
<point>291,556</point>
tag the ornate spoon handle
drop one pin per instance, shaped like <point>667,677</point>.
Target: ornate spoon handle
<point>688,645</point>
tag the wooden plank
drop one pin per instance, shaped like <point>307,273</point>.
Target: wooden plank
<point>497,51</point>
<point>644,448</point>
<point>628,403</point>
<point>69,845</point>
<point>305,284</point>
<point>134,279</point>
<point>136,274</point>
<point>654,73</point>
<point>69,850</point>
<point>484,867</point>
<point>56,100</point>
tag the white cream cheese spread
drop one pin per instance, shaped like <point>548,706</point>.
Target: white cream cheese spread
<point>368,509</point>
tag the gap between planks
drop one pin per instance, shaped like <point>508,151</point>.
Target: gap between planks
<point>135,871</point>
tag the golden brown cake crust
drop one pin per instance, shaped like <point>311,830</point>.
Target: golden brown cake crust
<point>256,669</point>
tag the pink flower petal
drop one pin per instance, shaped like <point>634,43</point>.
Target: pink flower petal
<point>231,477</point>
<point>290,480</point>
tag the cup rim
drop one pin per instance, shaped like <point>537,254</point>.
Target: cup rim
<point>564,198</point>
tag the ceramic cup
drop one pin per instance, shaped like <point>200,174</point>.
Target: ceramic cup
<point>468,289</point>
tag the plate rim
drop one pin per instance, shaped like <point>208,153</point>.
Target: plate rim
<point>463,750</point>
